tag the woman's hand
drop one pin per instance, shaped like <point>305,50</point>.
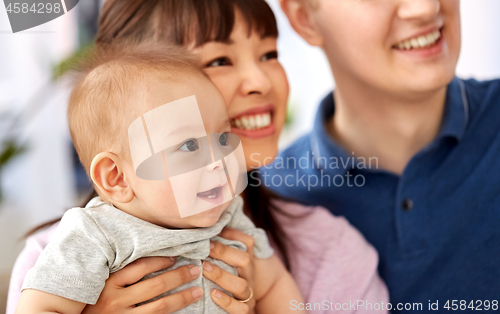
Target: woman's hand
<point>122,291</point>
<point>244,264</point>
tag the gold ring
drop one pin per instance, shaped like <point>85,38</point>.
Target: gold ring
<point>249,298</point>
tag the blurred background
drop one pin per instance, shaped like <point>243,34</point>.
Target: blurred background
<point>40,175</point>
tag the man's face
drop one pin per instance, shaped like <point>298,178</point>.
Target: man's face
<point>372,42</point>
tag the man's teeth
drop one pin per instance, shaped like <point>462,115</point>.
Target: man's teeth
<point>420,42</point>
<point>253,122</point>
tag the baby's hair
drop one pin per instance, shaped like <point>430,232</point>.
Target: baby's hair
<point>100,107</point>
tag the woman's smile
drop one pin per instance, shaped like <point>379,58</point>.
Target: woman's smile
<point>254,123</point>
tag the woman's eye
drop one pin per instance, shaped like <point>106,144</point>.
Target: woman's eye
<point>189,146</point>
<point>270,55</point>
<point>223,61</point>
<point>223,139</point>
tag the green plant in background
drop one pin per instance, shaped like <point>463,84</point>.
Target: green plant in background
<point>69,63</point>
<point>290,114</point>
<point>10,149</point>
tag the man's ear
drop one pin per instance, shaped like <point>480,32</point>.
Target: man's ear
<point>300,17</point>
<point>107,174</point>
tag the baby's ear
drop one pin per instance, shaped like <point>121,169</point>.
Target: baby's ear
<point>107,174</point>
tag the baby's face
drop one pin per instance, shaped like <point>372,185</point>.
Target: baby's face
<point>183,157</point>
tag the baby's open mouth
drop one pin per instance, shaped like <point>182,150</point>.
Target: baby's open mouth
<point>213,196</point>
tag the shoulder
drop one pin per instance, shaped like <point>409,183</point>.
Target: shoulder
<point>75,220</point>
<point>291,163</point>
<point>35,244</point>
<point>482,86</point>
<point>299,148</point>
<point>482,95</point>
<point>78,229</point>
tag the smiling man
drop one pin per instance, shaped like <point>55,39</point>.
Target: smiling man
<point>432,206</point>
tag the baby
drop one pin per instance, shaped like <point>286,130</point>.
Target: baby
<point>153,135</point>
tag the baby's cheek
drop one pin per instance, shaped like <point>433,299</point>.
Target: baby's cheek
<point>159,192</point>
<point>184,189</point>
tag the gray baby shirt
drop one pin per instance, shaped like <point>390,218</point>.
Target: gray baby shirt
<point>92,242</point>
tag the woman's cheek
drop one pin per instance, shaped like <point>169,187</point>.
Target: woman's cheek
<point>281,90</point>
<point>225,83</point>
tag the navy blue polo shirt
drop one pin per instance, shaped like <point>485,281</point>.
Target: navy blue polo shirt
<point>436,226</point>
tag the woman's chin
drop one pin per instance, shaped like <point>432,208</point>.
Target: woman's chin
<point>261,158</point>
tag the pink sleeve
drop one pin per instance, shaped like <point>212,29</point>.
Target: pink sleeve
<point>25,261</point>
<point>331,261</point>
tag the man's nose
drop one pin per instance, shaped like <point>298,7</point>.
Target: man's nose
<point>418,9</point>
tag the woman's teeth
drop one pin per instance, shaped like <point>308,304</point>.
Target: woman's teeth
<point>253,122</point>
<point>420,42</point>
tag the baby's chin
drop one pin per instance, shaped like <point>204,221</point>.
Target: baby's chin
<point>207,218</point>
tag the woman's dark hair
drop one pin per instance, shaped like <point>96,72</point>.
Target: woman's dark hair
<point>197,22</point>
<point>183,22</point>
<point>261,206</point>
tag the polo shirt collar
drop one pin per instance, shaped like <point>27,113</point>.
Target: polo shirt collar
<point>456,111</point>
<point>323,146</point>
<point>454,125</point>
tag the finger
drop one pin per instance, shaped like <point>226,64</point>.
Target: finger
<point>234,284</point>
<point>230,255</point>
<point>238,235</point>
<point>152,287</point>
<point>133,272</point>
<point>171,303</point>
<point>227,303</point>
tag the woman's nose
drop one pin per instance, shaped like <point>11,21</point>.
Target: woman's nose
<point>254,80</point>
<point>419,9</point>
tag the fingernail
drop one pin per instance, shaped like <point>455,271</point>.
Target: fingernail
<point>211,245</point>
<point>194,270</point>
<point>172,258</point>
<point>207,266</point>
<point>196,293</point>
<point>217,294</point>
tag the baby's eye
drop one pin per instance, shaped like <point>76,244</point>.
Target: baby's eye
<point>223,139</point>
<point>222,61</point>
<point>189,146</point>
<point>269,56</point>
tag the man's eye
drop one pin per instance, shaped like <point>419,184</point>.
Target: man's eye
<point>223,139</point>
<point>222,61</point>
<point>189,146</point>
<point>269,56</point>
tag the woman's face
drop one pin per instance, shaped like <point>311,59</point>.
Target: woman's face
<point>254,85</point>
